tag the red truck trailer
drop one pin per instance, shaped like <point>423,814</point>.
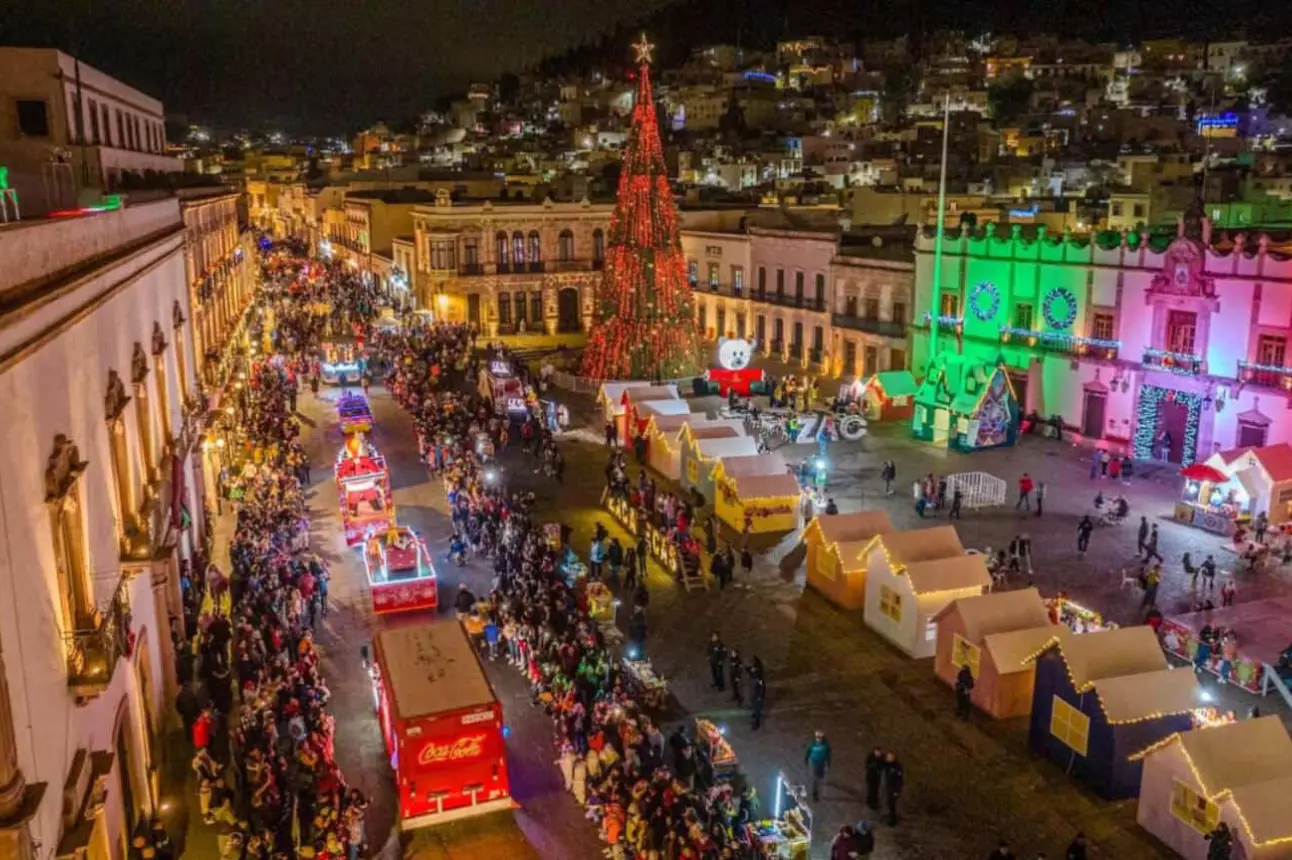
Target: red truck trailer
<point>442,724</point>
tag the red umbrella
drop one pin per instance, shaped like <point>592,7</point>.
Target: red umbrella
<point>1203,472</point>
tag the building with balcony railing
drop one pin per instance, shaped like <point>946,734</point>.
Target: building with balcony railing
<point>69,130</point>
<point>103,502</point>
<point>1132,339</point>
<point>510,267</point>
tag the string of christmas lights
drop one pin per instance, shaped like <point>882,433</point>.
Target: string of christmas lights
<point>1150,397</point>
<point>643,314</point>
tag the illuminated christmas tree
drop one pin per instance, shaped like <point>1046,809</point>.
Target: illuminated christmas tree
<point>643,320</point>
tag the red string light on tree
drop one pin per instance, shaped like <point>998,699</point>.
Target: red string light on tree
<point>643,315</point>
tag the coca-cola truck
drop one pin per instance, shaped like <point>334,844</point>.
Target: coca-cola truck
<point>442,724</point>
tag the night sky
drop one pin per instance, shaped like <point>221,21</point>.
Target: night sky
<point>335,65</point>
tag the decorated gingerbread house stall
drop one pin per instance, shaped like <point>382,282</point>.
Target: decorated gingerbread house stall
<point>889,395</point>
<point>1239,773</point>
<point>1101,699</point>
<point>610,397</point>
<point>994,634</point>
<point>837,557</point>
<point>760,503</point>
<point>633,399</point>
<point>910,577</point>
<point>965,404</point>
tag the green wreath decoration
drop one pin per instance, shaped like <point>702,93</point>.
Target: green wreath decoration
<point>1059,308</point>
<point>984,300</point>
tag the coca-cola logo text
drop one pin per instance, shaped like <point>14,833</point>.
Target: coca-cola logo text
<point>471,746</point>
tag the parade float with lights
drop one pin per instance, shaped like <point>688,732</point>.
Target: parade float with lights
<point>441,722</point>
<point>363,482</point>
<point>341,364</point>
<point>400,572</point>
<point>353,413</point>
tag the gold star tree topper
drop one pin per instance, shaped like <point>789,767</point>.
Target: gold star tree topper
<point>644,50</point>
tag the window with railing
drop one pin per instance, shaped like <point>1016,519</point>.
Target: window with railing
<point>693,272</point>
<point>1181,329</point>
<point>899,313</point>
<point>1271,350</point>
<point>471,252</point>
<point>504,309</point>
<point>1102,326</point>
<point>502,249</point>
<point>565,246</point>
<point>536,307</point>
<point>798,287</point>
<point>1022,315</point>
<point>535,247</point>
<point>780,285</point>
<point>820,290</point>
<point>871,308</point>
<point>598,245</point>
<point>762,281</point>
<point>818,338</point>
<point>713,276</point>
<point>737,280</point>
<point>518,248</point>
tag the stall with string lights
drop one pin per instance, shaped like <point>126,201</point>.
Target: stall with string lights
<point>836,554</point>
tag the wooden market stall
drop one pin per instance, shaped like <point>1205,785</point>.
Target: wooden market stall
<point>836,557</point>
<point>1234,486</point>
<point>727,469</point>
<point>700,457</point>
<point>911,577</point>
<point>665,435</point>
<point>610,396</point>
<point>1101,698</point>
<point>889,395</point>
<point>633,398</point>
<point>760,504</point>
<point>993,634</point>
<point>965,404</point>
<point>639,414</point>
<point>1239,773</point>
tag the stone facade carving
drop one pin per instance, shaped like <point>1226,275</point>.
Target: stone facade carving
<point>138,364</point>
<point>115,401</point>
<point>64,467</point>
<point>159,339</point>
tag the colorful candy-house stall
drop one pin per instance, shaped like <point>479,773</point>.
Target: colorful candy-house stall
<point>760,504</point>
<point>700,457</point>
<point>911,577</point>
<point>993,634</point>
<point>632,399</point>
<point>401,575</point>
<point>363,482</point>
<point>836,557</point>
<point>711,740</point>
<point>353,413</point>
<point>442,724</point>
<point>787,835</point>
<point>965,405</point>
<point>1239,773</point>
<point>890,395</point>
<point>1257,481</point>
<point>1102,698</point>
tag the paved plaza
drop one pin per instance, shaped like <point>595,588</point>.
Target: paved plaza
<point>968,784</point>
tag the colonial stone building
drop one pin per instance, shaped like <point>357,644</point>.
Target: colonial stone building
<point>510,267</point>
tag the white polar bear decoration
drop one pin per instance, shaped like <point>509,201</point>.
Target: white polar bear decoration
<point>735,353</point>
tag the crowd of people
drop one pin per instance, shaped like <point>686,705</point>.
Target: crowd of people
<point>256,709</point>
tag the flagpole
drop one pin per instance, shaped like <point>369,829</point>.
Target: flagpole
<point>942,223</point>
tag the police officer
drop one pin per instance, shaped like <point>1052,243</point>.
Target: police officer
<point>717,659</point>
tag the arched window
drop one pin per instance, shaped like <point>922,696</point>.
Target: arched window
<point>535,247</point>
<point>598,244</point>
<point>67,526</point>
<point>565,246</point>
<point>501,248</point>
<point>518,248</point>
<point>115,407</point>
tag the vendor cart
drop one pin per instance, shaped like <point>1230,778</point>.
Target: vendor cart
<point>712,744</point>
<point>363,484</point>
<point>400,572</point>
<point>788,834</point>
<point>644,684</point>
<point>442,724</point>
<point>353,413</point>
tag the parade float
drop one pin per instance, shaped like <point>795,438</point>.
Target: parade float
<point>965,405</point>
<point>787,835</point>
<point>1236,773</point>
<point>837,556</point>
<point>1102,699</point>
<point>353,413</point>
<point>993,634</point>
<point>911,577</point>
<point>401,575</point>
<point>733,372</point>
<point>499,384</point>
<point>341,364</point>
<point>363,482</point>
<point>442,724</point>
